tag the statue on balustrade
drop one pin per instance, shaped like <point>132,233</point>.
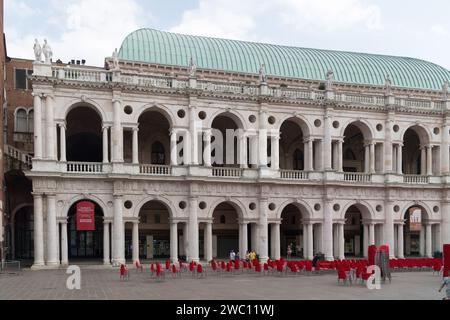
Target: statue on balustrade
<point>330,78</point>
<point>48,53</point>
<point>262,74</point>
<point>115,58</point>
<point>37,51</point>
<point>192,68</point>
<point>388,85</point>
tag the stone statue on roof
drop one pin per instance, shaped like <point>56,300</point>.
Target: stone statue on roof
<point>115,58</point>
<point>330,78</point>
<point>262,74</point>
<point>388,85</point>
<point>37,51</point>
<point>192,68</point>
<point>445,89</point>
<point>47,51</point>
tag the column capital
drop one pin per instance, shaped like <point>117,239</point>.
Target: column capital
<point>118,196</point>
<point>136,129</point>
<point>62,220</point>
<point>105,127</point>
<point>107,220</point>
<point>50,195</point>
<point>37,194</point>
<point>116,100</point>
<point>48,95</point>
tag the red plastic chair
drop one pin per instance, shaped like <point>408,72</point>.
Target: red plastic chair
<point>167,264</point>
<point>124,274</point>
<point>175,271</point>
<point>159,272</point>
<point>342,275</point>
<point>200,273</point>
<point>308,266</point>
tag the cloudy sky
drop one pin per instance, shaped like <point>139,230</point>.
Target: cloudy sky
<point>78,29</point>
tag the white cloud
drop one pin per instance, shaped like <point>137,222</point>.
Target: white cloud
<point>244,19</point>
<point>439,30</point>
<point>19,8</point>
<point>90,30</point>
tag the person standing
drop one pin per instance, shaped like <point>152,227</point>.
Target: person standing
<point>232,256</point>
<point>289,252</point>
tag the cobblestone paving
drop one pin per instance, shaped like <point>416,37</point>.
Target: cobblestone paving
<point>104,284</point>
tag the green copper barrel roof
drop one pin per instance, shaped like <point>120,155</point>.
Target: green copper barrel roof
<point>165,48</point>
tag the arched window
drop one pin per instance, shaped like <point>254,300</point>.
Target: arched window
<point>21,124</point>
<point>31,121</point>
<point>158,153</point>
<point>298,160</point>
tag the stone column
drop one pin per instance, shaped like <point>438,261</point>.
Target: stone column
<point>50,141</point>
<point>340,156</point>
<point>275,152</point>
<point>208,241</point>
<point>388,161</point>
<point>117,135</point>
<point>62,132</point>
<point>186,239</point>
<point>193,135</point>
<point>243,156</point>
<point>327,141</point>
<point>422,242</point>
<point>429,160</point>
<point>173,148</point>
<point>64,244</point>
<point>105,144</point>
<point>371,234</point>
<point>366,240</point>
<point>52,242</point>
<point>445,152</point>
<point>372,157</point>
<point>243,239</point>
<point>207,152</point>
<point>310,243</point>
<point>400,159</point>
<point>262,137</point>
<point>254,238</point>
<point>37,126</point>
<point>366,158</point>
<point>335,150</point>
<point>119,232</point>
<point>400,242</point>
<point>135,146</point>
<point>276,244</point>
<point>423,160</point>
<point>305,241</point>
<point>38,231</point>
<point>389,228</point>
<point>135,241</point>
<point>328,231</point>
<point>106,258</point>
<point>263,230</point>
<point>193,230</point>
<point>335,241</point>
<point>174,242</point>
<point>428,235</point>
<point>341,241</point>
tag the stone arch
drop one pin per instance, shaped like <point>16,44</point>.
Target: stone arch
<point>421,130</point>
<point>88,103</point>
<point>300,121</point>
<point>301,205</point>
<point>366,210</point>
<point>236,204</point>
<point>234,115</point>
<point>427,211</point>
<point>166,202</point>
<point>155,107</point>
<point>20,207</point>
<point>81,197</point>
<point>361,124</point>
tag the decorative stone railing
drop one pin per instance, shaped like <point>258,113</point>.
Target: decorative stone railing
<point>19,155</point>
<point>97,75</point>
<point>357,177</point>
<point>227,172</point>
<point>85,167</point>
<point>415,179</point>
<point>81,74</point>
<point>155,170</point>
<point>294,175</point>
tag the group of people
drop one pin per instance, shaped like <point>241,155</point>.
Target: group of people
<point>249,256</point>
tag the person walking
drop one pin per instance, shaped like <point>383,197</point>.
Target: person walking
<point>446,283</point>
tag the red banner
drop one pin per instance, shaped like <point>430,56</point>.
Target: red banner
<point>85,216</point>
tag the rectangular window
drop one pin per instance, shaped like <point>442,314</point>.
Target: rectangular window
<point>22,82</point>
<point>21,79</point>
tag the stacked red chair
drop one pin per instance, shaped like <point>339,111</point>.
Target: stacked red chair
<point>159,272</point>
<point>342,275</point>
<point>167,264</point>
<point>308,266</point>
<point>200,273</point>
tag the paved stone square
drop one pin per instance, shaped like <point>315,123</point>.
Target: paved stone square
<point>104,284</point>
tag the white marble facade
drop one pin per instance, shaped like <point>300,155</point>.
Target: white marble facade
<point>321,190</point>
